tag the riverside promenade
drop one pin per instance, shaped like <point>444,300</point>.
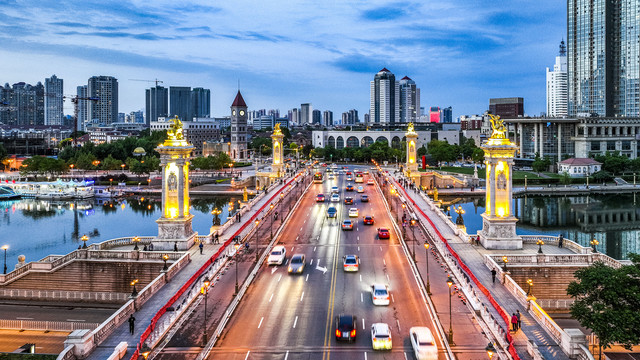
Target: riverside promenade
<point>532,335</point>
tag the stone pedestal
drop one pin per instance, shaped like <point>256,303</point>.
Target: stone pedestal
<point>499,233</point>
<point>174,233</point>
<point>82,342</point>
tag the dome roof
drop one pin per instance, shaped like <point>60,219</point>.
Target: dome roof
<point>139,150</point>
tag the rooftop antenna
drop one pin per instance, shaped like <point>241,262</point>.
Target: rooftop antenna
<point>238,84</point>
<point>563,48</point>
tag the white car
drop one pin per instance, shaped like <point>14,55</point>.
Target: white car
<point>334,190</point>
<point>278,255</point>
<point>424,346</point>
<point>353,212</point>
<point>335,198</point>
<point>360,189</point>
<point>381,336</point>
<point>379,294</point>
<point>370,182</point>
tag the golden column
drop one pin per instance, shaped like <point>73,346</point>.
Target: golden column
<point>174,227</point>
<point>411,166</point>
<point>277,165</point>
<point>499,224</point>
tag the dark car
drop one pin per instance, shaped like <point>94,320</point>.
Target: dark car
<point>345,328</point>
<point>348,200</point>
<point>349,187</point>
<point>364,198</point>
<point>368,220</point>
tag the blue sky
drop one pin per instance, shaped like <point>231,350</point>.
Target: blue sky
<point>287,52</point>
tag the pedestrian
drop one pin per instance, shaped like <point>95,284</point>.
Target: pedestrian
<point>519,322</point>
<point>151,247</point>
<point>514,322</point>
<point>493,275</point>
<point>132,321</point>
<point>175,246</point>
<point>145,248</point>
<point>217,238</point>
<point>560,241</point>
<point>201,246</point>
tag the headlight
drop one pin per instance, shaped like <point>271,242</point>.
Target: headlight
<point>300,269</point>
<point>290,269</point>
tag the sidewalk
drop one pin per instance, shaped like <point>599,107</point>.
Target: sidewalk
<point>473,258</point>
<point>157,301</point>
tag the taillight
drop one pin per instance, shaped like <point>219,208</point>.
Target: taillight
<point>353,333</point>
<point>338,333</point>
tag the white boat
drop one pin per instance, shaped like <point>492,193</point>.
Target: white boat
<point>56,190</point>
<point>108,192</point>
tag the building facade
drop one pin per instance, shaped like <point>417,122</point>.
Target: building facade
<point>53,100</point>
<point>512,107</point>
<point>180,103</point>
<point>327,118</point>
<point>409,101</point>
<point>558,86</point>
<point>239,129</point>
<point>316,117</point>
<point>579,167</point>
<point>83,107</point>
<point>195,132</point>
<point>384,105</point>
<point>157,103</point>
<point>201,102</point>
<point>22,104</point>
<point>306,114</point>
<point>104,111</point>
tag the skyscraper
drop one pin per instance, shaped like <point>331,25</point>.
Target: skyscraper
<point>447,115</point>
<point>23,104</point>
<point>435,115</point>
<point>384,101</point>
<point>327,118</point>
<point>105,110</point>
<point>557,86</point>
<point>83,109</point>
<point>409,101</point>
<point>512,107</point>
<point>238,128</point>
<point>157,103</point>
<point>53,101</point>
<point>201,102</point>
<point>316,117</point>
<point>180,102</point>
<point>603,57</point>
<point>306,114</point>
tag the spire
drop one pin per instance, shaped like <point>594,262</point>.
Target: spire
<point>239,101</point>
<point>384,70</point>
<point>406,78</point>
<point>563,48</point>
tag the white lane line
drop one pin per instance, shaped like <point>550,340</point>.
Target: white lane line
<point>360,277</point>
<point>392,299</point>
<point>311,263</point>
<point>292,248</point>
<point>295,322</point>
<point>300,229</point>
<point>262,318</point>
<point>273,270</point>
<point>72,320</point>
<point>398,321</point>
<point>318,263</point>
<point>361,297</point>
<point>365,355</point>
<point>307,279</point>
<point>362,324</point>
<point>24,318</point>
<point>305,221</point>
<point>287,355</point>
<point>271,297</point>
<point>405,356</point>
<point>302,296</point>
<point>358,236</point>
<point>246,357</point>
<point>380,248</point>
<point>314,248</point>
<point>297,237</point>
<point>358,248</point>
<point>280,277</point>
<point>384,261</point>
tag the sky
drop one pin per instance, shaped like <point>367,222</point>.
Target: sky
<point>286,52</point>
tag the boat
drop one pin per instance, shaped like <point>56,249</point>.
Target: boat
<point>108,192</point>
<point>55,190</point>
<point>7,193</point>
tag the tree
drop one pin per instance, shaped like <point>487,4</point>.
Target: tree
<point>540,164</point>
<point>478,155</point>
<point>3,155</point>
<point>602,176</point>
<point>607,301</point>
<point>565,178</point>
<point>109,163</point>
<point>614,163</point>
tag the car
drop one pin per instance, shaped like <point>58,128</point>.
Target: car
<point>335,198</point>
<point>353,212</point>
<point>383,233</point>
<point>349,178</point>
<point>349,187</point>
<point>366,172</point>
<point>334,190</point>
<point>347,225</point>
<point>331,177</point>
<point>423,344</point>
<point>332,212</point>
<point>370,182</point>
<point>364,198</point>
<point>278,255</point>
<point>349,173</point>
<point>320,198</point>
<point>381,336</point>
<point>379,294</point>
<point>350,263</point>
<point>348,200</point>
<point>346,327</point>
<point>360,189</point>
<point>296,265</point>
<point>368,220</point>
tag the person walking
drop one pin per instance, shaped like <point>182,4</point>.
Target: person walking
<point>493,275</point>
<point>514,322</point>
<point>201,246</point>
<point>560,241</point>
<point>132,321</point>
<point>217,238</point>
<point>519,321</point>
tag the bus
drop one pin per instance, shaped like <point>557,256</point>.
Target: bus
<point>359,177</point>
<point>318,178</point>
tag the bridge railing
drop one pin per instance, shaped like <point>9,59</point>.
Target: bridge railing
<point>45,325</point>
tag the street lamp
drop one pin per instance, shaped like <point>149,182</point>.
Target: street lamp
<point>539,243</point>
<point>594,242</point>
<point>134,292</point>
<point>84,239</point>
<point>490,350</point>
<point>413,236</point>
<point>257,223</point>
<point>426,248</point>
<point>122,166</point>
<point>5,247</point>
<point>530,283</point>
<point>165,257</point>
<point>504,263</point>
<point>136,240</point>
<point>216,212</point>
<point>237,247</point>
<point>205,291</point>
<point>450,282</point>
<point>271,210</point>
<point>460,211</point>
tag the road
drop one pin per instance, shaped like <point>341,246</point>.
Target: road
<point>291,316</point>
<point>60,312</point>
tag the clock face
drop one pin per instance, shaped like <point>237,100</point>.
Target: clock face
<point>233,112</point>
<point>241,112</point>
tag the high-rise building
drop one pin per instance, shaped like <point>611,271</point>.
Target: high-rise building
<point>157,103</point>
<point>384,99</point>
<point>180,102</point>
<point>366,118</point>
<point>316,117</point>
<point>104,111</point>
<point>350,117</point>
<point>447,115</point>
<point>409,100</point>
<point>327,118</point>
<point>435,115</point>
<point>294,116</point>
<point>603,57</point>
<point>201,103</point>
<point>53,101</point>
<point>22,104</point>
<point>306,114</point>
<point>83,108</point>
<point>239,115</point>
<point>557,85</point>
<point>512,107</point>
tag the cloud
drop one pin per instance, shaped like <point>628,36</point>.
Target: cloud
<point>143,36</point>
<point>386,13</point>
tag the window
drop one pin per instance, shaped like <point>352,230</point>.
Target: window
<point>611,145</point>
<point>595,146</point>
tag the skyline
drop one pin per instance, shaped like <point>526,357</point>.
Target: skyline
<point>460,54</point>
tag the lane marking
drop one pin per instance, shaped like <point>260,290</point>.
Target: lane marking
<point>318,263</point>
<point>388,280</point>
<point>362,324</point>
<point>384,261</point>
<point>405,356</point>
<point>307,279</point>
<point>305,221</point>
<point>398,321</point>
<point>358,236</point>
<point>273,270</point>
<point>297,237</point>
<point>360,277</point>
<point>292,248</point>
<point>380,248</point>
<point>302,296</point>
<point>314,248</point>
<point>72,320</point>
<point>287,355</point>
<point>295,322</point>
<point>361,297</point>
<point>392,299</point>
<point>271,297</point>
<point>246,357</point>
<point>365,355</point>
<point>358,248</point>
<point>24,318</point>
<point>262,318</point>
<point>300,229</point>
<point>311,263</point>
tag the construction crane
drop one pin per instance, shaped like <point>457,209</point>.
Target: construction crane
<point>75,99</point>
<point>155,81</point>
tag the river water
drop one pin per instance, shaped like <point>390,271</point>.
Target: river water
<point>38,228</point>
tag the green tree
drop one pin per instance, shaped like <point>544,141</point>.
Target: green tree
<point>602,176</point>
<point>540,164</point>
<point>110,163</point>
<point>3,155</point>
<point>565,178</point>
<point>614,163</point>
<point>607,301</point>
<point>478,155</point>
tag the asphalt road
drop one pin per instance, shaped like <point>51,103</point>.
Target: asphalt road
<point>286,316</point>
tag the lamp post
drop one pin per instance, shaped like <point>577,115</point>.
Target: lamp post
<point>490,350</point>
<point>84,239</point>
<point>271,210</point>
<point>165,257</point>
<point>237,247</point>
<point>504,263</point>
<point>539,243</point>
<point>205,292</point>
<point>5,247</point>
<point>450,282</point>
<point>530,283</point>
<point>134,292</point>
<point>257,223</point>
<point>403,218</point>
<point>593,243</point>
<point>216,212</point>
<point>460,211</point>
<point>122,166</point>
<point>136,240</point>
<point>413,237</point>
<point>426,248</point>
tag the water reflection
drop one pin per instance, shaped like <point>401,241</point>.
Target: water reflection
<point>613,220</point>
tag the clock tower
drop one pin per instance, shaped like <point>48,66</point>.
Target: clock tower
<point>238,148</point>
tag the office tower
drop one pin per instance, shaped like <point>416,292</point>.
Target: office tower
<point>557,85</point>
<point>316,117</point>
<point>350,117</point>
<point>200,103</point>
<point>384,100</point>
<point>53,101</point>
<point>603,57</point>
<point>104,111</point>
<point>180,102</point>
<point>275,113</point>
<point>294,116</point>
<point>238,128</point>
<point>83,108</point>
<point>157,103</point>
<point>446,115</point>
<point>409,101</point>
<point>121,117</point>
<point>366,118</point>
<point>137,117</point>
<point>22,104</point>
<point>434,114</point>
<point>327,118</point>
<point>512,107</point>
<point>306,113</point>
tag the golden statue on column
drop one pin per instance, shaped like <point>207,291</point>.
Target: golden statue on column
<point>411,165</point>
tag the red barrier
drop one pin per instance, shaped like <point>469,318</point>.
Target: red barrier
<point>464,267</point>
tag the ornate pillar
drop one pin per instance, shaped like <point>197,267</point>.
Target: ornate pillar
<point>277,165</point>
<point>411,164</point>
